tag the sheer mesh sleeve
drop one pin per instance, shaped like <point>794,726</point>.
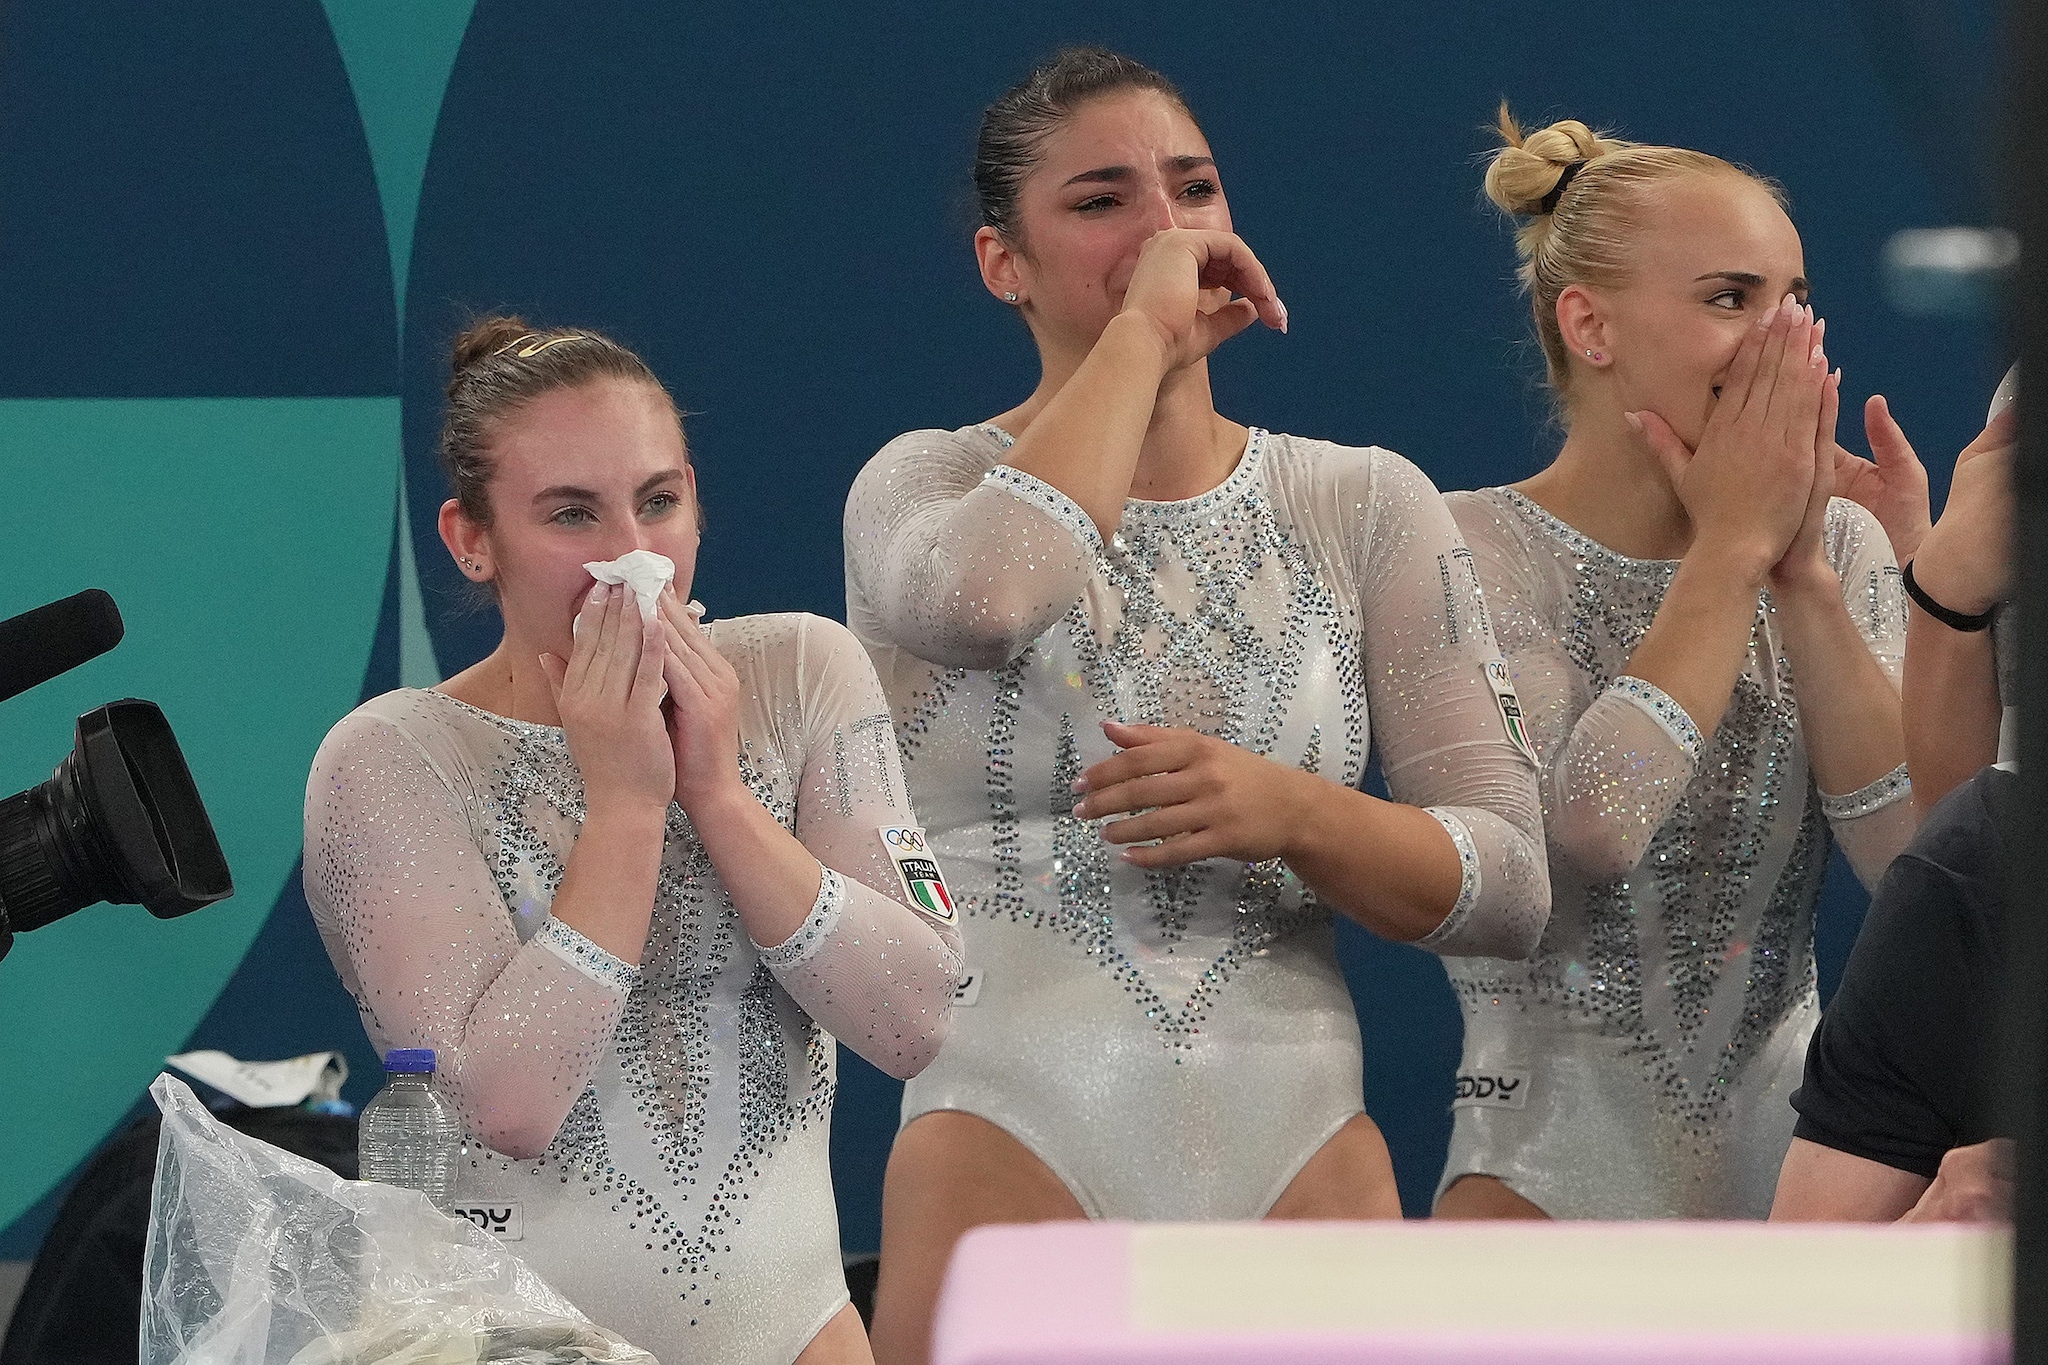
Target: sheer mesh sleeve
<point>1447,736</point>
<point>874,970</point>
<point>1618,768</point>
<point>957,559</point>
<point>1875,823</point>
<point>421,936</point>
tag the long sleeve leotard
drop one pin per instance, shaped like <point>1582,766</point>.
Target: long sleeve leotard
<point>1641,1064</point>
<point>662,1128</point>
<point>1177,1043</point>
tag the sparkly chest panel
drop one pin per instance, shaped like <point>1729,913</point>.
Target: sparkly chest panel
<point>718,1065</point>
<point>1206,614</point>
<point>1699,953</point>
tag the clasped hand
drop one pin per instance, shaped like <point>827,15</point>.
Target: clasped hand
<point>1201,797</point>
<point>650,708</point>
<point>1760,479</point>
<point>1183,284</point>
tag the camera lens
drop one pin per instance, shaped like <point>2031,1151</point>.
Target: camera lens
<point>119,821</point>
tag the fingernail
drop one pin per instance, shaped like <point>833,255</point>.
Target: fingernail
<point>1079,784</point>
<point>1283,316</point>
<point>1808,310</point>
<point>1635,423</point>
<point>597,593</point>
<point>1820,329</point>
<point>1770,316</point>
<point>1817,356</point>
<point>1789,302</point>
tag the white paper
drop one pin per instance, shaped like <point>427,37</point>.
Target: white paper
<point>643,571</point>
<point>267,1085</point>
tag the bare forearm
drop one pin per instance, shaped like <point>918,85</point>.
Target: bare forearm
<point>1391,867</point>
<point>1950,706</point>
<point>772,878</point>
<point>1698,644</point>
<point>607,890</point>
<point>1086,441</point>
<point>1848,708</point>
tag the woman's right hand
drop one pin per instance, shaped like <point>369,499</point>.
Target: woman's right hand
<point>609,695</point>
<point>1182,285</point>
<point>1747,485</point>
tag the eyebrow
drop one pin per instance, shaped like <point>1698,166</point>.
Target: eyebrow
<point>1754,281</point>
<point>1111,175</point>
<point>571,491</point>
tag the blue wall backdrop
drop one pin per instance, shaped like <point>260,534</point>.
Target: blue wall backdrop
<point>236,238</point>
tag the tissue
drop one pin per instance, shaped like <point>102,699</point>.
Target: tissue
<point>643,571</point>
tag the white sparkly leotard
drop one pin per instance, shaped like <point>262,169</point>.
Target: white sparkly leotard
<point>1641,1065</point>
<point>663,1128</point>
<point>1174,1044</point>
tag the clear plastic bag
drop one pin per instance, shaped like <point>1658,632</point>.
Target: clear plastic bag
<point>259,1257</point>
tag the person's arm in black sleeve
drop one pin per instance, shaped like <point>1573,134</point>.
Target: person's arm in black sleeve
<point>1889,1072</point>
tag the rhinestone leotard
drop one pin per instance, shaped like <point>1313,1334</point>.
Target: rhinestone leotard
<point>1174,1044</point>
<point>670,1120</point>
<point>1642,1063</point>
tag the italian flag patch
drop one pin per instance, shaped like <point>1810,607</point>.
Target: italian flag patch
<point>918,871</point>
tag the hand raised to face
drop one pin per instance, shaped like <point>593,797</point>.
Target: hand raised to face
<point>1183,285</point>
<point>608,695</point>
<point>1750,482</point>
<point>703,707</point>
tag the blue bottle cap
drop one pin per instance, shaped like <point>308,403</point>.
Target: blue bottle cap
<point>411,1061</point>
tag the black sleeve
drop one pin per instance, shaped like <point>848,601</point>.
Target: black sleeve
<point>1890,1071</point>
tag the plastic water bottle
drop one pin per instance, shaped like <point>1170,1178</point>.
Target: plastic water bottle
<point>409,1136</point>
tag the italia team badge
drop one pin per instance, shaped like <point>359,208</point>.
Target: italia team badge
<point>1498,677</point>
<point>918,870</point>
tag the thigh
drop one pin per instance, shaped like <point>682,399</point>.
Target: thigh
<point>1350,1176</point>
<point>948,1172</point>
<point>839,1342</point>
<point>1484,1196</point>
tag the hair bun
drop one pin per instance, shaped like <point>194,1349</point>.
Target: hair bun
<point>1525,171</point>
<point>483,339</point>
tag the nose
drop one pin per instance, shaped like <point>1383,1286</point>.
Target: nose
<point>626,540</point>
<point>1162,210</point>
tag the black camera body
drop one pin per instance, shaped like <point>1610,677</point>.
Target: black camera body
<point>120,820</point>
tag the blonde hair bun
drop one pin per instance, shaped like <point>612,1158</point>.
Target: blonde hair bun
<point>1527,168</point>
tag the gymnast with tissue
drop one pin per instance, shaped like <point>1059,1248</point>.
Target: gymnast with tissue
<point>627,874</point>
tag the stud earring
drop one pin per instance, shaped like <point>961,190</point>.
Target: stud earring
<point>470,564</point>
<point>1010,296</point>
<point>1595,356</point>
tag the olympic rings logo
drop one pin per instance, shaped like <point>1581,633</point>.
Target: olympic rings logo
<point>909,840</point>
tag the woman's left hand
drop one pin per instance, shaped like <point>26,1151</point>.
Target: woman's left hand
<point>702,710</point>
<point>1201,796</point>
<point>1805,559</point>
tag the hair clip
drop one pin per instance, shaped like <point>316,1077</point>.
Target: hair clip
<point>532,344</point>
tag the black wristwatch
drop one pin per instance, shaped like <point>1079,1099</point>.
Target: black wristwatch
<point>1954,620</point>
